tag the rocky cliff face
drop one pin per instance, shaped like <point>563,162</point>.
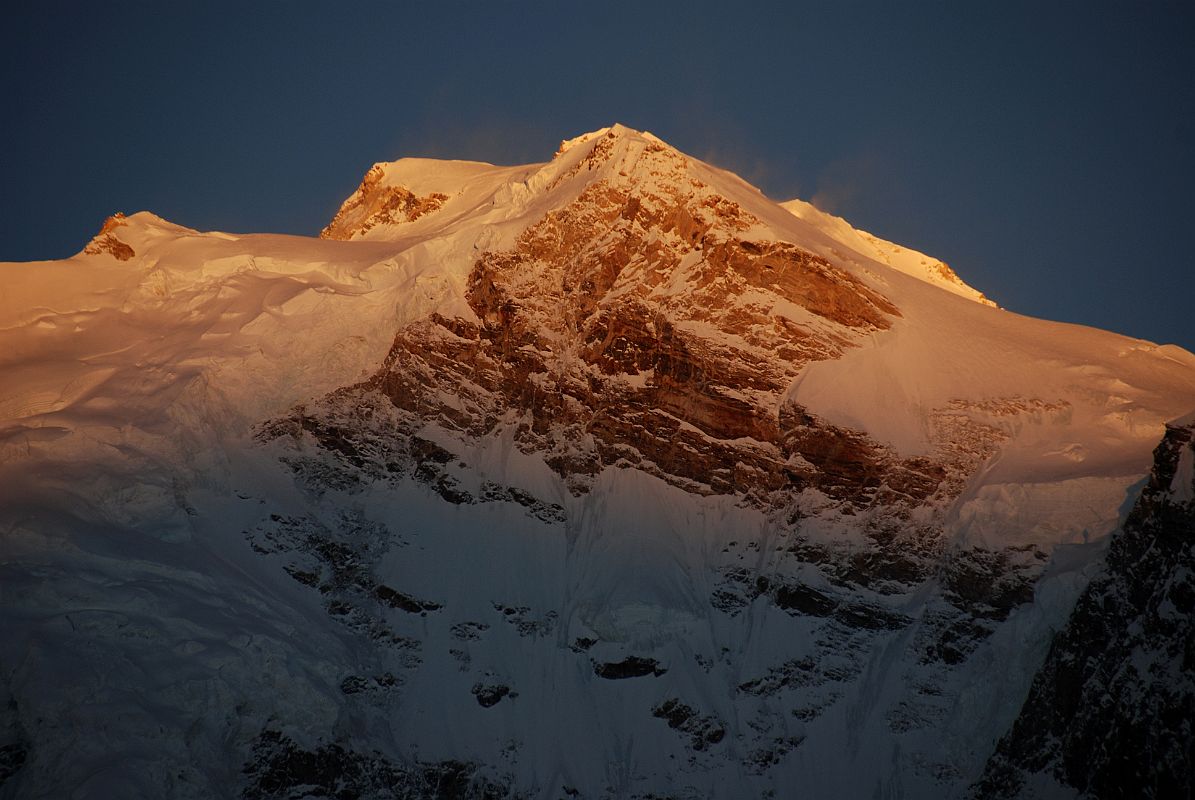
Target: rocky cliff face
<point>375,203</point>
<point>637,326</point>
<point>106,240</point>
<point>1112,711</point>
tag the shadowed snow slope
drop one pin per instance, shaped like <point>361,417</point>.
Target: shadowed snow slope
<point>603,477</point>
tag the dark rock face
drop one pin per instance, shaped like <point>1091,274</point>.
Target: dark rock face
<point>396,599</point>
<point>490,694</point>
<point>12,758</point>
<point>369,440</point>
<point>629,667</point>
<point>703,730</point>
<point>357,684</point>
<point>281,768</point>
<point>14,747</point>
<point>799,599</point>
<point>1112,711</point>
<point>525,622</point>
<point>337,558</point>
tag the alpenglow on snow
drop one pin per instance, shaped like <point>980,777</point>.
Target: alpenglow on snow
<point>604,477</point>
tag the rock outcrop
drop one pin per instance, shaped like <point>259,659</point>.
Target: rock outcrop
<point>106,240</point>
<point>375,203</point>
<point>1112,711</point>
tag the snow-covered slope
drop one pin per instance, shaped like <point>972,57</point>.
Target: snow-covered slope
<point>601,477</point>
<point>909,261</point>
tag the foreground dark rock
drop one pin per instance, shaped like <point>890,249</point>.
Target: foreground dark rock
<point>1112,711</point>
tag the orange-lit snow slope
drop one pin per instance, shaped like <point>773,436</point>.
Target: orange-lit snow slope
<point>95,347</point>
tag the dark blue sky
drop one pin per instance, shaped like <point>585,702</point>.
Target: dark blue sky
<point>1045,150</point>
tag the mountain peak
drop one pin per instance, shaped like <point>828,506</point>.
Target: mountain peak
<point>418,195</point>
<point>615,131</point>
<point>719,476</point>
<point>392,195</point>
<point>121,236</point>
<point>106,240</point>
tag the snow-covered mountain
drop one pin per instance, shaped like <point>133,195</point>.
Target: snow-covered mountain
<point>603,477</point>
